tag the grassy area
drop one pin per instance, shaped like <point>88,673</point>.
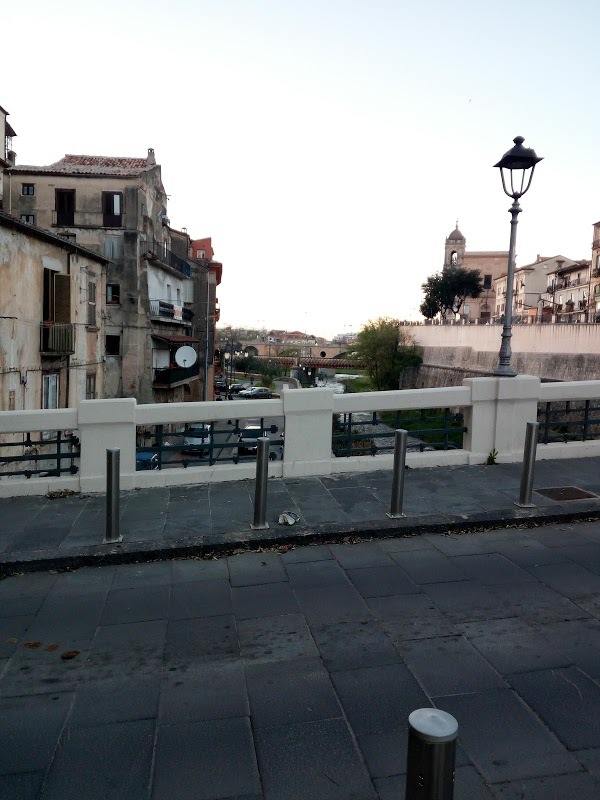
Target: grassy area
<point>360,384</point>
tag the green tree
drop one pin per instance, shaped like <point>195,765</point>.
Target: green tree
<point>447,291</point>
<point>384,350</point>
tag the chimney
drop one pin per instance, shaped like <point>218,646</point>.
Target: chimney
<point>150,159</point>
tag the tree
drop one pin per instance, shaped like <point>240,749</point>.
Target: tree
<point>447,291</point>
<point>384,350</point>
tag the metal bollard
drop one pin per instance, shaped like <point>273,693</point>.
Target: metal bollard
<point>531,440</point>
<point>400,443</point>
<point>113,468</point>
<point>262,476</point>
<point>431,755</point>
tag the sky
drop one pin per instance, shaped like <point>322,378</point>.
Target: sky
<point>328,147</point>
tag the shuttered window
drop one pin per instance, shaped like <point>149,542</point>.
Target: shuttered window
<point>91,304</point>
<point>62,298</point>
<point>112,209</point>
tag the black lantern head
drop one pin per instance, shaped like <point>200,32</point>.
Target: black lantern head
<point>520,163</point>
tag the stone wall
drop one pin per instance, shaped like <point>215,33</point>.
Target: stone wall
<point>557,352</point>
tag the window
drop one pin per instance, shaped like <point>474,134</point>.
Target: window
<point>178,296</point>
<point>487,282</point>
<point>91,304</point>
<point>28,218</point>
<point>112,209</point>
<point>113,294</point>
<point>90,386</point>
<point>65,206</point>
<point>169,292</point>
<point>113,345</point>
<point>113,247</point>
<point>27,189</point>
<point>200,253</point>
<point>50,390</point>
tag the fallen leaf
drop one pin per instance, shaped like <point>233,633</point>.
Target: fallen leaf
<point>69,654</point>
<point>52,647</point>
<point>32,645</point>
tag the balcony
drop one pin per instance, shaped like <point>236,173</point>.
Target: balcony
<point>57,339</point>
<point>157,252</point>
<point>86,219</point>
<point>166,310</point>
<point>171,376</point>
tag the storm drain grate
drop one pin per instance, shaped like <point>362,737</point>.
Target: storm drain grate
<point>566,493</point>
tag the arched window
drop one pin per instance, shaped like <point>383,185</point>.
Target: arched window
<point>454,258</point>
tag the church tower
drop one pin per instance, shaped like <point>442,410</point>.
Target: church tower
<point>455,249</point>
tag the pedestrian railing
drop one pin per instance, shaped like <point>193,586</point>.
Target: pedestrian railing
<point>324,433</point>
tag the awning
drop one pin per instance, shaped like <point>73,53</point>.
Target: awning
<point>176,339</point>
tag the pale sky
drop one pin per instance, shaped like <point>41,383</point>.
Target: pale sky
<point>327,147</point>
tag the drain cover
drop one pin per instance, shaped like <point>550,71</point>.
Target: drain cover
<point>565,493</point>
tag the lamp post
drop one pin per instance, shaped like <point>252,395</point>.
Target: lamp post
<point>519,162</point>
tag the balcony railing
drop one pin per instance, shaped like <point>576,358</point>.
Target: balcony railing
<point>87,219</point>
<point>58,339</point>
<point>156,251</point>
<point>162,308</point>
<point>168,376</point>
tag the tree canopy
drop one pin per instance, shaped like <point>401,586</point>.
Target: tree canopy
<point>384,350</point>
<point>447,291</point>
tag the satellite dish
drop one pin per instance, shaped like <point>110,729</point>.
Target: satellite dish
<point>185,356</point>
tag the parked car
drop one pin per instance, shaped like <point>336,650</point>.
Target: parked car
<point>146,461</point>
<point>197,438</point>
<point>236,388</point>
<point>248,439</point>
<point>221,384</point>
<point>255,393</point>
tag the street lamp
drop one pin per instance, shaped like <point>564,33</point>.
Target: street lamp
<point>516,170</point>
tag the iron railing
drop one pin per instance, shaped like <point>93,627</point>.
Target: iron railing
<point>370,433</point>
<point>45,453</point>
<point>167,376</point>
<point>166,309</point>
<point>57,338</point>
<point>156,251</point>
<point>569,421</point>
<point>159,447</point>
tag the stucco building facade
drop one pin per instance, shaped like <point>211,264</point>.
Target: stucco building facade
<point>51,323</point>
<point>117,207</point>
<point>491,264</point>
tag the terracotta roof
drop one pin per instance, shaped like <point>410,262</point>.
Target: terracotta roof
<point>90,165</point>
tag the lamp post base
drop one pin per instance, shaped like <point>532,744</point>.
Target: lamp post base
<point>505,372</point>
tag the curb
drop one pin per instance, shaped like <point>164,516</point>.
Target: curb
<point>215,546</point>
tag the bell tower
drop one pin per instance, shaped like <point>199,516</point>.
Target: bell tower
<point>455,249</point>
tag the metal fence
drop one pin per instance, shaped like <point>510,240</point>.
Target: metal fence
<point>201,443</point>
<point>370,433</point>
<point>39,453</point>
<point>569,421</point>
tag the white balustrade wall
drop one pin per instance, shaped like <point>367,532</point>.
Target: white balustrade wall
<point>496,411</point>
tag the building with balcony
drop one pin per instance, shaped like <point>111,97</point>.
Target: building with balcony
<point>490,263</point>
<point>594,295</point>
<point>7,155</point>
<point>51,322</point>
<point>566,298</point>
<point>530,285</point>
<point>117,207</point>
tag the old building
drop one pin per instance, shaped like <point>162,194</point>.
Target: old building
<point>117,207</point>
<point>491,264</point>
<point>51,323</point>
<point>207,272</point>
<point>7,155</point>
<point>594,295</point>
<point>568,291</point>
<point>530,285</point>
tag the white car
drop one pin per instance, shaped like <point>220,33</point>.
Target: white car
<point>197,438</point>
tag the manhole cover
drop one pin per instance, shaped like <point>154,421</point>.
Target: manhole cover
<point>566,493</point>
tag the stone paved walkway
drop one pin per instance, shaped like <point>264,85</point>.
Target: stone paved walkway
<point>289,672</point>
<point>290,675</point>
